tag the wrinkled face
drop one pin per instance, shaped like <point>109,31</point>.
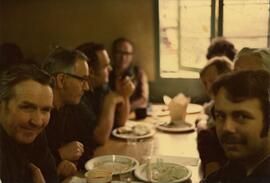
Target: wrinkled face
<point>102,76</point>
<point>124,55</point>
<point>208,78</point>
<point>75,84</point>
<point>27,113</point>
<point>248,62</point>
<point>239,126</point>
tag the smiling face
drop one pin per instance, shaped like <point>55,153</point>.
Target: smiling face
<point>27,113</point>
<point>239,126</point>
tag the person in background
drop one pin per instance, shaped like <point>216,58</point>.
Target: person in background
<point>10,55</point>
<point>211,153</point>
<point>106,108</point>
<point>221,47</point>
<point>252,59</point>
<point>122,60</point>
<point>26,99</point>
<point>241,113</point>
<point>212,71</point>
<point>70,73</point>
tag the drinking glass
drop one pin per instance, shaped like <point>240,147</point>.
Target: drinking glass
<point>126,177</point>
<point>131,148</point>
<point>148,149</point>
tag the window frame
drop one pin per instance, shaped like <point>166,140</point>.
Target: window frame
<point>216,29</point>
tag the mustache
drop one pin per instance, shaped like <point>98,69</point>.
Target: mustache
<point>228,138</point>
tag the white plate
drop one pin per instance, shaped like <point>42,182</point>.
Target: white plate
<point>141,172</point>
<point>133,136</point>
<point>117,164</point>
<point>194,108</point>
<point>167,99</point>
<point>184,127</point>
<point>159,113</point>
<point>159,110</point>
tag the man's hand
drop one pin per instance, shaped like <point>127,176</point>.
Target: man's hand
<point>66,168</point>
<point>36,174</point>
<point>113,98</point>
<point>71,151</point>
<point>125,87</point>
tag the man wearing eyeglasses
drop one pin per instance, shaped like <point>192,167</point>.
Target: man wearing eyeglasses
<point>123,65</point>
<point>70,72</point>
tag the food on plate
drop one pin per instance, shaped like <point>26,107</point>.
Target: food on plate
<point>124,130</point>
<point>140,130</point>
<point>137,130</point>
<point>113,166</point>
<point>164,172</point>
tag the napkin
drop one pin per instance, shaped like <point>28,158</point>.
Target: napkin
<point>178,107</point>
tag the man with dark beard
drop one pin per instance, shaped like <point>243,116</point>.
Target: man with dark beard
<point>242,125</point>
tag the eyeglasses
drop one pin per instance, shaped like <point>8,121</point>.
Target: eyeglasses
<point>81,78</point>
<point>124,52</point>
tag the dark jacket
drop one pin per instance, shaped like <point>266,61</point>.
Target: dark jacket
<point>71,123</point>
<point>234,173</point>
<point>15,159</point>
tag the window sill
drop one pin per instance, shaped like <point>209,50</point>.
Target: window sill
<point>181,74</point>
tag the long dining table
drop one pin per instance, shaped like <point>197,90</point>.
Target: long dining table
<point>179,148</point>
<point>171,147</point>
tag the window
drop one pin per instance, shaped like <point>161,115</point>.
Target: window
<point>187,26</point>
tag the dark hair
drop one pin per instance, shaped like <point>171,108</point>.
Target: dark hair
<point>115,44</point>
<point>118,41</point>
<point>90,50</point>
<point>222,65</point>
<point>62,60</point>
<point>221,47</point>
<point>262,54</point>
<point>245,85</point>
<point>17,74</point>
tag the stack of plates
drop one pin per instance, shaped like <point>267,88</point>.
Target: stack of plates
<point>98,176</point>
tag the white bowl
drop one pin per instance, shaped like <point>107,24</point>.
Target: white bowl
<point>98,176</point>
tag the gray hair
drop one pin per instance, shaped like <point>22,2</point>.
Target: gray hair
<point>262,53</point>
<point>62,60</point>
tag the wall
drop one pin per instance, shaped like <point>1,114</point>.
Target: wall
<point>37,25</point>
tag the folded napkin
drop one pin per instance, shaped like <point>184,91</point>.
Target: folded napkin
<point>178,107</point>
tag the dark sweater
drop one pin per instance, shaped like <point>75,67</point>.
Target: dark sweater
<point>234,173</point>
<point>71,123</point>
<point>15,159</point>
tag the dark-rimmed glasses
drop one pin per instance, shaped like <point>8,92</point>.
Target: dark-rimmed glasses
<point>124,53</point>
<point>81,78</point>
